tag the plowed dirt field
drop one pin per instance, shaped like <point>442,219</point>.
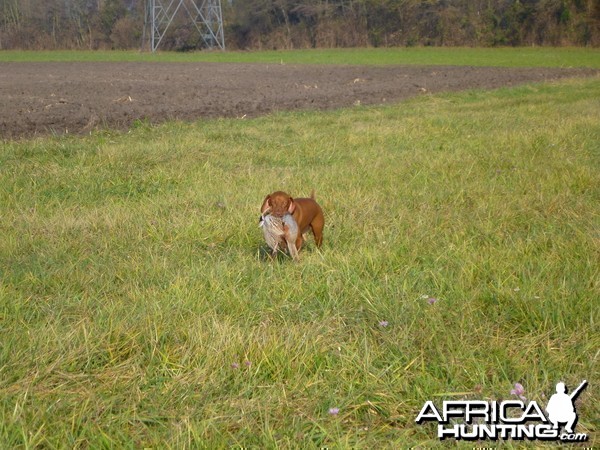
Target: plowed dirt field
<point>58,98</point>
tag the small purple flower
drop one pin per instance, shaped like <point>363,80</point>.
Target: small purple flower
<point>235,365</point>
<point>383,323</point>
<point>519,390</point>
<point>431,300</point>
<point>247,363</point>
<point>334,411</point>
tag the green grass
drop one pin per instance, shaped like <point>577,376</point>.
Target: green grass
<point>133,276</point>
<point>503,57</point>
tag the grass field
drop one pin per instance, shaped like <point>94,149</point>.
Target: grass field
<point>503,57</point>
<point>137,309</point>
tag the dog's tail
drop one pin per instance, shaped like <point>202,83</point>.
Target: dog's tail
<point>312,194</point>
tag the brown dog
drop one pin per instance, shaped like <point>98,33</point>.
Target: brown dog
<point>306,212</point>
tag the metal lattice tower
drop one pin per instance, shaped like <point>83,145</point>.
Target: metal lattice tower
<point>206,16</point>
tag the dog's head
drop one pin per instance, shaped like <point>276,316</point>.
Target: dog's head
<point>278,204</point>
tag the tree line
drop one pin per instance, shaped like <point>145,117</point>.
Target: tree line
<point>288,24</point>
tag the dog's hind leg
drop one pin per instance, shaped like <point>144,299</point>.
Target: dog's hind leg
<point>317,228</point>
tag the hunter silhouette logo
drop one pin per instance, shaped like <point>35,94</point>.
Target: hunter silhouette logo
<point>510,419</point>
<point>561,407</point>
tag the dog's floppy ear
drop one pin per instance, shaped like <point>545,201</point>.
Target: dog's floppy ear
<point>292,206</point>
<point>266,205</point>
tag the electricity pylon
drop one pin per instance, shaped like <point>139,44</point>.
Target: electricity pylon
<point>205,15</point>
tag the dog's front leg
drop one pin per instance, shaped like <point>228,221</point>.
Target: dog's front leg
<point>293,250</point>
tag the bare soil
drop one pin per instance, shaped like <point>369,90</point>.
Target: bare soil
<point>57,98</point>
